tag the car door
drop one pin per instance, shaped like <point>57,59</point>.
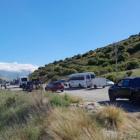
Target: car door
<point>88,81</point>
<point>136,87</point>
<point>124,89</point>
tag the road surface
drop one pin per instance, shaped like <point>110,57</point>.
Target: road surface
<point>90,94</point>
<point>101,96</point>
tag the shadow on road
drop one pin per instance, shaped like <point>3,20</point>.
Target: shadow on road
<point>124,104</point>
<point>71,89</point>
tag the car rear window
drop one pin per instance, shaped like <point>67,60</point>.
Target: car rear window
<point>136,82</point>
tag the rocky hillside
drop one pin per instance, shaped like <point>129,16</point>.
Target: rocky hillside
<point>101,61</point>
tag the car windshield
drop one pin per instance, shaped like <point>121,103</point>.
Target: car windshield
<point>24,79</point>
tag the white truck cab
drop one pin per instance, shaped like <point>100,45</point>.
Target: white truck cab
<point>23,81</point>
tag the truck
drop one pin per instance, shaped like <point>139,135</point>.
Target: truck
<point>23,81</point>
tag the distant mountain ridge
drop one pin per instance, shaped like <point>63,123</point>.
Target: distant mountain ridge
<point>14,70</point>
<point>9,75</point>
<point>101,60</point>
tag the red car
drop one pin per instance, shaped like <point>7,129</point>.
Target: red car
<point>55,86</point>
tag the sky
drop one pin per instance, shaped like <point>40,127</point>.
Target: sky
<point>37,32</point>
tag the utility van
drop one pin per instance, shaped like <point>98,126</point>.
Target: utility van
<point>81,80</point>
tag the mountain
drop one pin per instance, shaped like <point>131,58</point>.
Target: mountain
<point>101,61</point>
<point>14,70</point>
<point>9,75</point>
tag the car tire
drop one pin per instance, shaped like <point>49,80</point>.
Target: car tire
<point>132,98</point>
<point>103,86</point>
<point>70,86</point>
<point>112,98</point>
<point>80,86</point>
<point>95,87</point>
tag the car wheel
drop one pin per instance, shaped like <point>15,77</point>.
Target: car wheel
<point>70,86</point>
<point>80,86</point>
<point>112,98</point>
<point>132,98</point>
<point>95,86</point>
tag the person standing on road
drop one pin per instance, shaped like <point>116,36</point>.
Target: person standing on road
<point>5,86</point>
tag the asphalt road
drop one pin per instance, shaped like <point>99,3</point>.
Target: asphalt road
<point>97,95</point>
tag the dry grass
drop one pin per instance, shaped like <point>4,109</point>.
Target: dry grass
<point>67,124</point>
<point>111,117</point>
<point>41,116</point>
<point>20,115</point>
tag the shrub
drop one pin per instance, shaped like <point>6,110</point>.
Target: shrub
<point>93,61</point>
<point>134,49</point>
<point>129,73</point>
<point>63,100</point>
<point>69,71</point>
<point>132,64</point>
<point>125,43</point>
<point>105,64</point>
<point>111,117</point>
<point>111,77</point>
<point>58,100</point>
<point>67,124</point>
<point>16,108</point>
<point>55,78</point>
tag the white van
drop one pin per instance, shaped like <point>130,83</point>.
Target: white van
<point>81,80</point>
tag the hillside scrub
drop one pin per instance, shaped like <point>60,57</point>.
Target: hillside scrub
<point>101,61</point>
<point>120,75</point>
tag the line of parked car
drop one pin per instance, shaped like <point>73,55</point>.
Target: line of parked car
<point>79,80</point>
<point>128,88</point>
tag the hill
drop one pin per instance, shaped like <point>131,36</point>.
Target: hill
<point>101,61</point>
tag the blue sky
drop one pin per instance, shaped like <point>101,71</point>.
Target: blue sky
<point>41,31</point>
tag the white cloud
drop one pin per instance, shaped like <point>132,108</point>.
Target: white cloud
<point>16,67</point>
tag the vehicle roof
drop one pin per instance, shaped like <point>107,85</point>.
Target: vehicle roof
<point>54,82</point>
<point>24,77</point>
<point>132,77</point>
<point>79,74</point>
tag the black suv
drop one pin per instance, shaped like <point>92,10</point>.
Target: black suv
<point>126,88</point>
